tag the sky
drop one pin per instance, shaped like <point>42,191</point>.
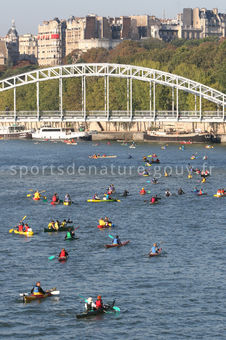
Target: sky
<point>28,14</point>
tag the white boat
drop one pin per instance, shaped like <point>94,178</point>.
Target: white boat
<point>14,132</point>
<point>59,134</point>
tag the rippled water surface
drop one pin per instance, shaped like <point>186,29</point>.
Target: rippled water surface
<point>179,295</point>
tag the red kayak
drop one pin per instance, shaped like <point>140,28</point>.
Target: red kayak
<point>116,245</point>
<point>156,254</point>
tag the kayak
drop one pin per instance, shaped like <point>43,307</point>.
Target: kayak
<point>105,227</point>
<point>62,258</point>
<point>111,156</point>
<point>107,309</point>
<point>36,199</point>
<point>156,254</point>
<point>116,245</point>
<point>219,196</point>
<point>202,194</point>
<point>56,203</point>
<point>32,297</point>
<point>25,233</point>
<point>98,201</point>
<point>47,230</point>
<point>71,238</point>
<point>67,203</point>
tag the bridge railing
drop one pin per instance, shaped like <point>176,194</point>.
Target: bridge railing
<point>114,116</point>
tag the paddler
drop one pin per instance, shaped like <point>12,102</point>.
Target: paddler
<point>21,227</point>
<point>116,240</point>
<point>89,305</point>
<point>27,228</point>
<point>99,303</point>
<point>63,223</point>
<point>67,198</point>
<point>154,249</point>
<point>95,197</point>
<point>55,198</point>
<point>142,192</point>
<point>154,181</point>
<point>70,234</point>
<point>125,194</point>
<point>180,191</point>
<point>154,199</point>
<point>63,253</point>
<point>51,225</point>
<point>167,193</point>
<point>56,225</point>
<point>37,289</point>
<point>37,195</point>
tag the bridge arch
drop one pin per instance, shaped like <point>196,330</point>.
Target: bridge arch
<point>129,72</point>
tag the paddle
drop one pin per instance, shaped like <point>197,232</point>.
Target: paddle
<point>11,230</point>
<point>51,257</point>
<point>111,236</point>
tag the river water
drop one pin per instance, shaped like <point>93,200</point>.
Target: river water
<point>179,295</point>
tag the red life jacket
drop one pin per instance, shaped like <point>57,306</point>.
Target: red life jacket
<point>54,198</point>
<point>153,200</point>
<point>99,304</point>
<point>20,227</point>
<point>62,253</point>
<point>26,228</point>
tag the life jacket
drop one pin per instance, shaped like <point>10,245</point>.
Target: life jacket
<point>153,200</point>
<point>50,225</point>
<point>20,227</point>
<point>36,291</point>
<point>56,225</point>
<point>115,241</point>
<point>153,250</point>
<point>99,304</point>
<point>62,253</point>
<point>68,234</point>
<point>37,195</point>
<point>54,198</point>
<point>200,192</point>
<point>26,228</point>
<point>101,222</point>
<point>142,192</point>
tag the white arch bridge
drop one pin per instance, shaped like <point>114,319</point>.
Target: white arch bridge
<point>151,76</point>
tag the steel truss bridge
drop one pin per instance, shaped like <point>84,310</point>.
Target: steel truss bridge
<point>151,76</point>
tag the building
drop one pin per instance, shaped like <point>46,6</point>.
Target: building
<point>28,48</point>
<point>51,42</point>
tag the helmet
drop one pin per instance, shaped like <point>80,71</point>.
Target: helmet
<point>99,297</point>
<point>155,244</point>
<point>90,299</point>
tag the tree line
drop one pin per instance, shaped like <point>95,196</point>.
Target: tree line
<point>201,60</point>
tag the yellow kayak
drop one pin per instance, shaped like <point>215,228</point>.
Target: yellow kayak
<point>219,196</point>
<point>98,201</point>
<point>67,203</point>
<point>25,233</point>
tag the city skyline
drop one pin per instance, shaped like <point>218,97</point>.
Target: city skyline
<point>36,13</point>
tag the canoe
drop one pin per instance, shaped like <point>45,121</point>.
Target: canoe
<point>67,203</point>
<point>157,254</point>
<point>25,233</point>
<point>98,201</point>
<point>47,230</point>
<point>116,245</point>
